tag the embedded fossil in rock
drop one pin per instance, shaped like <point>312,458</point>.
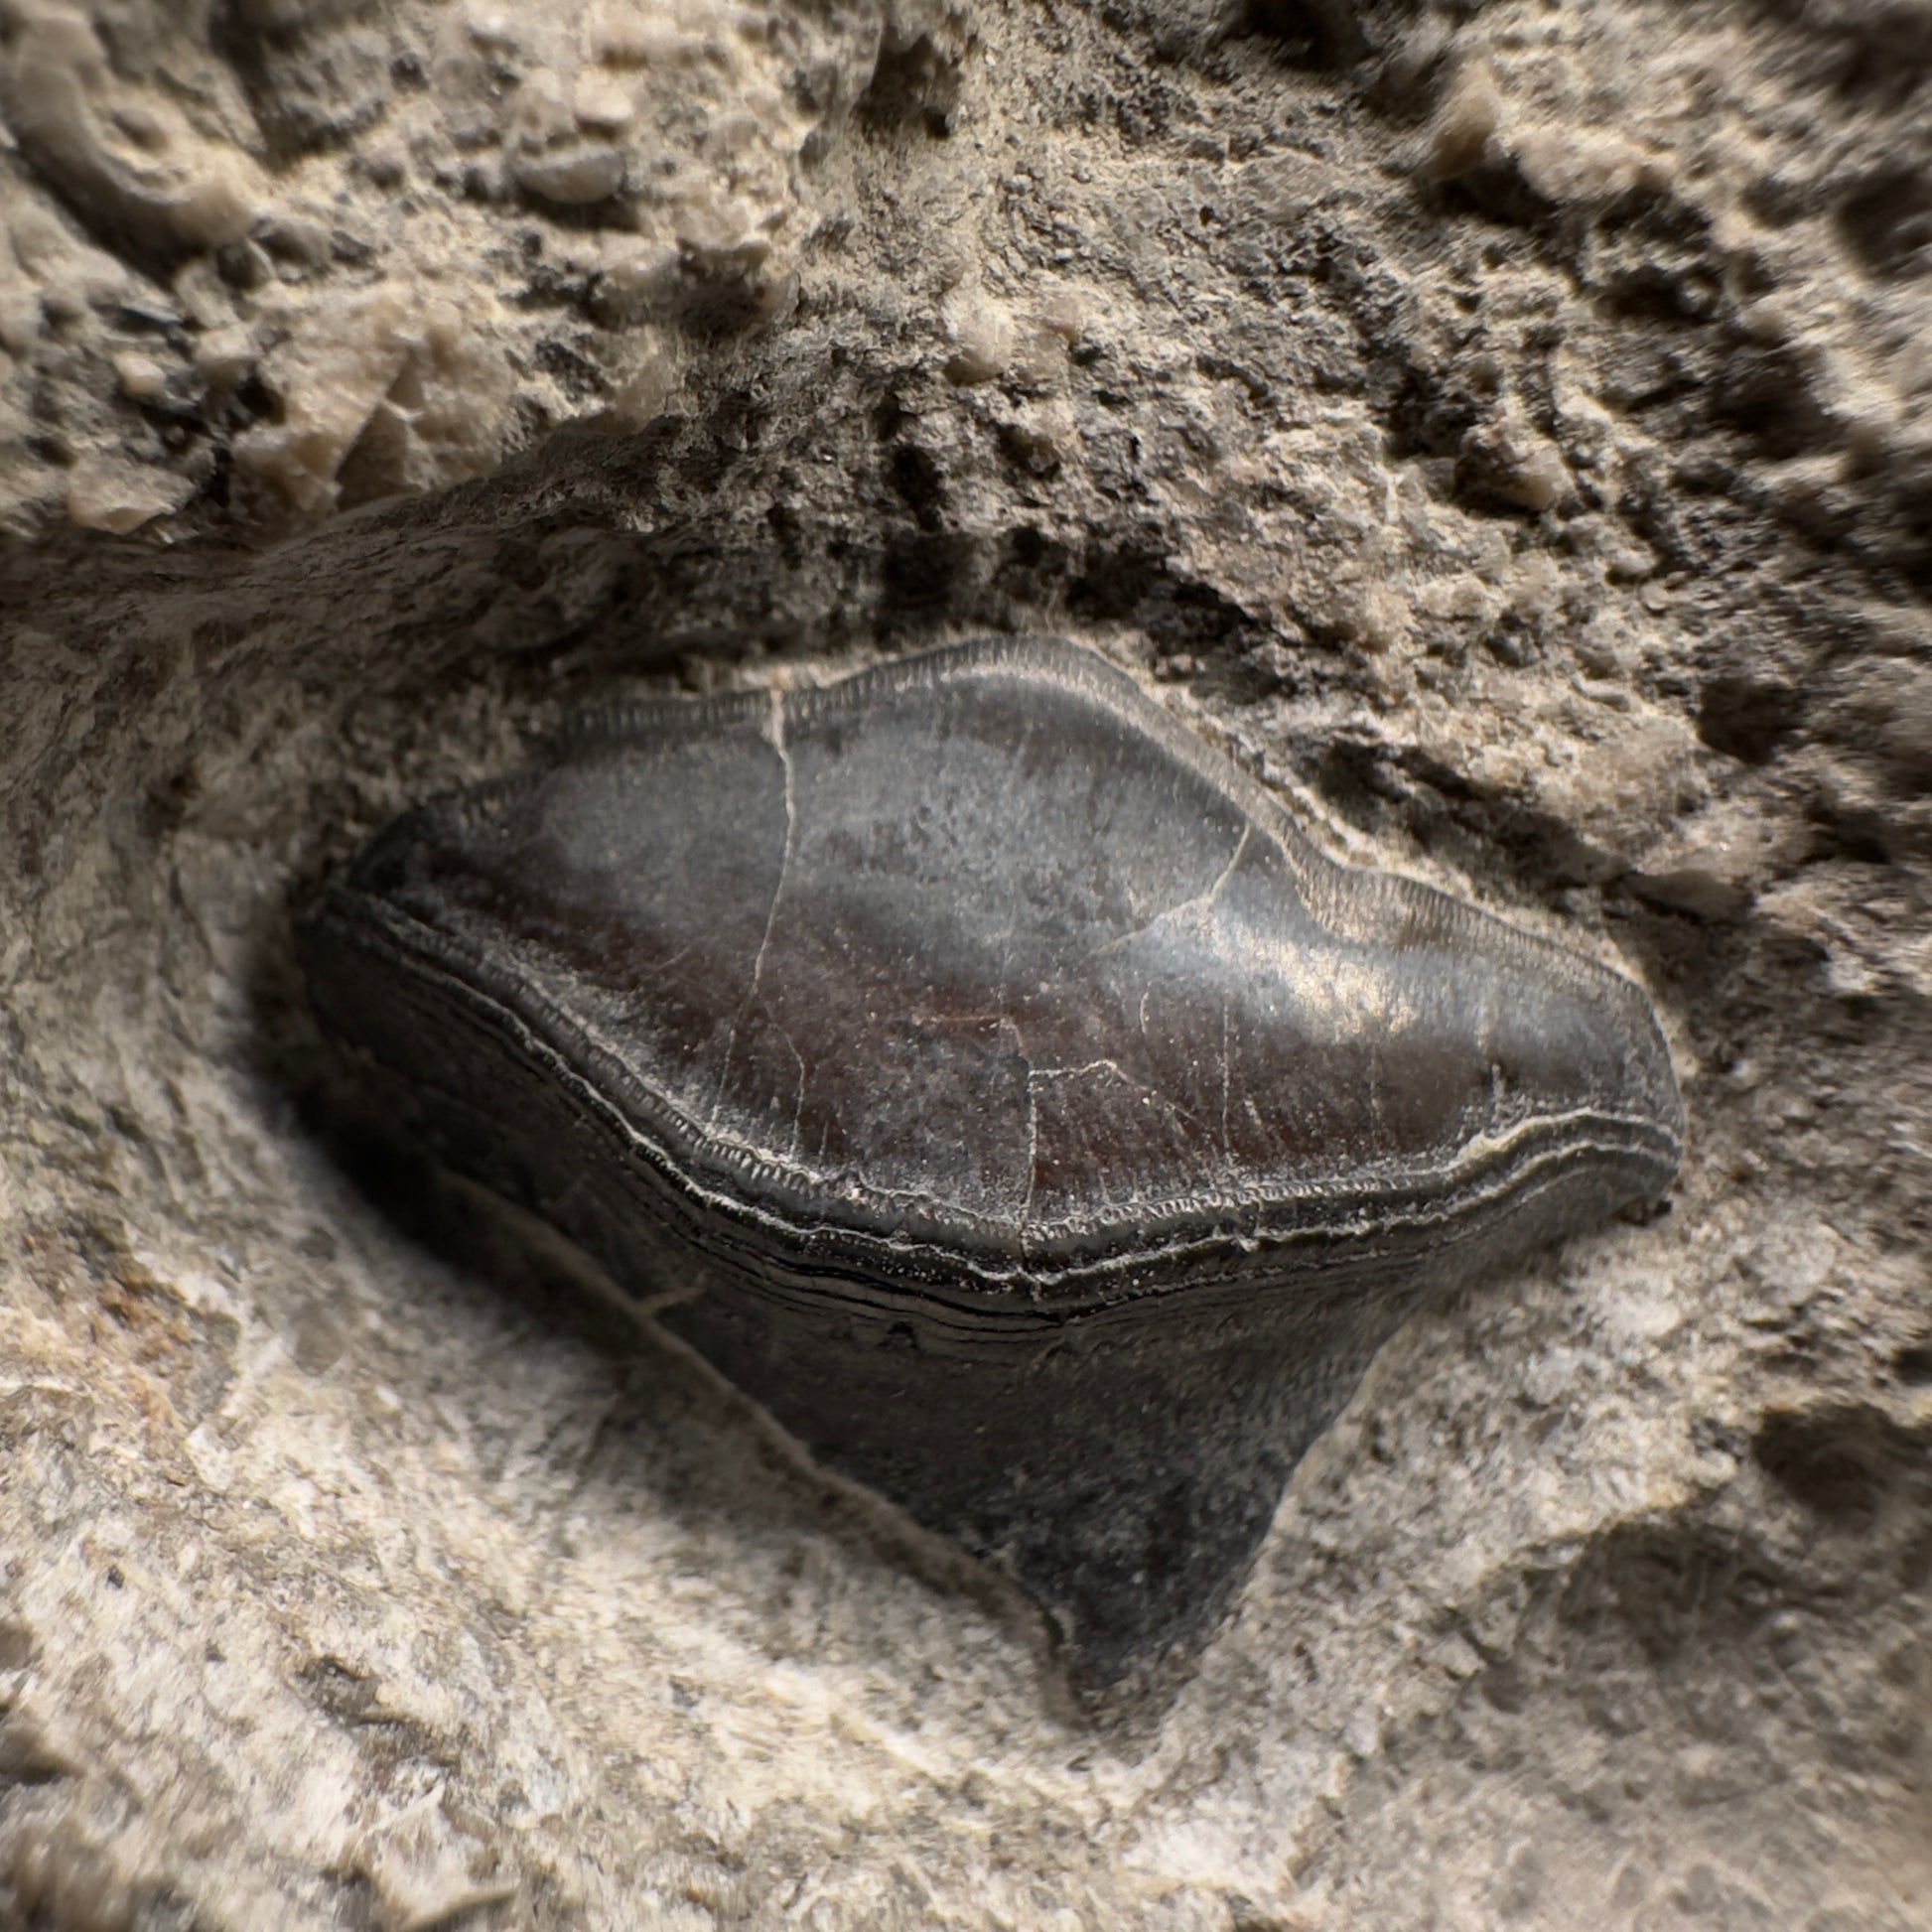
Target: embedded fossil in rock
<point>993,1082</point>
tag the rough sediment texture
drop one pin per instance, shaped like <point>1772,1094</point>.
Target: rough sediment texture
<point>1507,429</point>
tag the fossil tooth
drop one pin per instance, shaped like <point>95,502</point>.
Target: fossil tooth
<point>993,1082</point>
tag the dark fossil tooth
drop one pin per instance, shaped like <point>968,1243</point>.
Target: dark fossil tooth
<point>992,1081</point>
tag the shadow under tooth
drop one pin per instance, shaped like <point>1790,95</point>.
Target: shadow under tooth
<point>992,1082</point>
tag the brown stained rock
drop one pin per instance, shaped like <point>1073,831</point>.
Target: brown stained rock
<point>347,1584</point>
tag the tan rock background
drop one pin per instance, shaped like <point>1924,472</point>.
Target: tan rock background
<point>1504,427</point>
